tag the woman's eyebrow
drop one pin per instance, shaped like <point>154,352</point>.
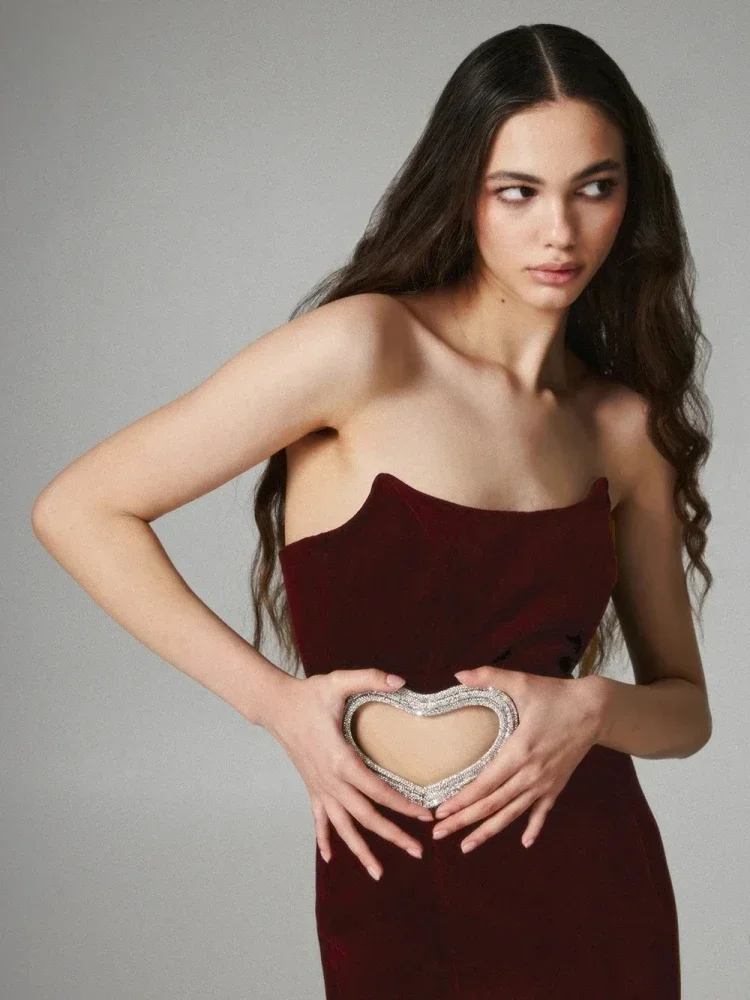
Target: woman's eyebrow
<point>594,168</point>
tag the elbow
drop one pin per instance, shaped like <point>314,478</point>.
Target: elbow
<point>703,725</point>
<point>40,516</point>
<point>707,731</point>
<point>703,735</point>
<point>708,722</point>
<point>48,510</point>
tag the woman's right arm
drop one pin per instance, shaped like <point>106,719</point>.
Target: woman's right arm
<point>95,518</point>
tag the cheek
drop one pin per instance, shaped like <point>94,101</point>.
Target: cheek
<point>612,219</point>
<point>604,232</point>
<point>501,234</point>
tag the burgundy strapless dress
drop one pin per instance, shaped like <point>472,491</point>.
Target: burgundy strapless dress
<point>423,587</point>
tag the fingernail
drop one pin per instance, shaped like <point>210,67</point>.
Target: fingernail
<point>442,811</point>
<point>394,680</point>
<point>468,845</point>
<point>437,834</point>
<point>375,873</point>
<point>415,852</point>
<point>527,841</point>
<point>428,818</point>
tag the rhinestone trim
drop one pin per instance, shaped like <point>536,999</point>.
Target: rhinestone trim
<point>438,703</point>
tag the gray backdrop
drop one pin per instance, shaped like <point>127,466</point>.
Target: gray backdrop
<point>174,177</point>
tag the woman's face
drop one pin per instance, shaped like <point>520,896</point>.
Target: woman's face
<point>555,218</point>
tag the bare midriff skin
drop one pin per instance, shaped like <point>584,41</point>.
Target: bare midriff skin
<point>471,437</point>
<point>424,748</point>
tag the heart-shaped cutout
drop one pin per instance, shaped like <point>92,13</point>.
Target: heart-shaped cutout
<point>437,703</point>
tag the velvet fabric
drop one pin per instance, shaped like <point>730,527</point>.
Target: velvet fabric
<point>423,587</point>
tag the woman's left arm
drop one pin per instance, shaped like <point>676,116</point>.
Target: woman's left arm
<point>666,712</point>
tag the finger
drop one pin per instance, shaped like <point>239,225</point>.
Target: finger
<point>491,803</point>
<point>363,810</point>
<point>476,790</point>
<point>536,821</point>
<point>497,822</point>
<point>322,835</point>
<point>492,779</point>
<point>354,840</point>
<point>494,776</point>
<point>366,679</point>
<point>357,773</point>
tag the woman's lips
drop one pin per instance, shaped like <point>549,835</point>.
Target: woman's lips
<point>555,277</point>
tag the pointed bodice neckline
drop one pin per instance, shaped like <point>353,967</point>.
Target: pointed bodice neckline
<point>599,488</point>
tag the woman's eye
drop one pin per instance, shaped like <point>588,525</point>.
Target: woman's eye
<point>520,187</point>
<point>609,183</point>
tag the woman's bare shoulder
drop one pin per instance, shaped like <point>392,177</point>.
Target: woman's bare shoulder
<point>621,416</point>
<point>377,339</point>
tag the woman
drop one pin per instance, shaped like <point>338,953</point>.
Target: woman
<point>488,426</point>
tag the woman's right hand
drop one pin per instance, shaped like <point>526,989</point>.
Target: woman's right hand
<point>305,716</point>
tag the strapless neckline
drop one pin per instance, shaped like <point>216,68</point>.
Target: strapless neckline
<point>598,488</point>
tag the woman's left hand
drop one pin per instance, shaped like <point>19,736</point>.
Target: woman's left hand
<point>557,727</point>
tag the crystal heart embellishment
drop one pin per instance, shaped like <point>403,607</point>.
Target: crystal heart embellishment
<point>438,703</point>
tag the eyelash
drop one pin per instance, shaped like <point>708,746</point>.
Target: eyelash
<point>612,184</point>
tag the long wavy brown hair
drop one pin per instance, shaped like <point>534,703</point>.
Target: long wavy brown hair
<point>635,322</point>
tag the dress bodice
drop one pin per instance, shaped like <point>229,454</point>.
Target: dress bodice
<point>424,586</point>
